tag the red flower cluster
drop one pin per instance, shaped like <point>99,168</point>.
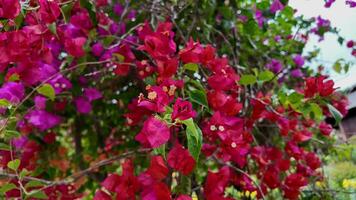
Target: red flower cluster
<point>150,183</point>
<point>318,86</point>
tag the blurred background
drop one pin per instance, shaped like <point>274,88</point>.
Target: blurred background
<point>342,168</point>
<point>344,18</point>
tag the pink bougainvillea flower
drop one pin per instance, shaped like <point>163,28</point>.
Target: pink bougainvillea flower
<point>167,67</point>
<point>328,3</point>
<point>158,169</point>
<point>125,185</point>
<point>42,119</point>
<point>110,182</point>
<point>298,60</point>
<point>144,69</point>
<point>81,19</point>
<point>9,8</point>
<point>97,49</point>
<point>118,9</point>
<point>312,160</point>
<point>259,18</point>
<point>274,65</point>
<point>217,99</point>
<point>322,23</point>
<point>92,94</point>
<point>19,142</point>
<point>170,86</point>
<point>49,138</point>
<point>157,191</point>
<point>319,85</point>
<point>276,6</point>
<point>271,177</point>
<point>40,102</point>
<point>297,73</point>
<point>157,99</point>
<point>294,150</point>
<point>191,53</point>
<point>100,3</point>
<point>292,185</point>
<point>74,46</point>
<point>325,128</point>
<point>83,105</point>
<point>183,197</point>
<point>101,195</point>
<point>182,110</point>
<point>180,159</point>
<point>224,80</point>
<point>60,84</point>
<point>136,113</point>
<point>49,11</point>
<point>216,183</point>
<point>12,92</point>
<point>154,133</point>
<point>159,44</point>
<point>302,136</point>
<point>234,148</point>
<point>352,4</point>
<point>224,127</point>
<point>350,44</point>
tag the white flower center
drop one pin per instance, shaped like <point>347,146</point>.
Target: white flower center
<point>221,128</point>
<point>213,128</point>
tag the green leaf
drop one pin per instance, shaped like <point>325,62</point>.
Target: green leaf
<point>347,67</point>
<point>14,77</point>
<point>119,57</point>
<point>283,98</point>
<point>337,67</point>
<point>11,134</point>
<point>295,98</point>
<point>194,137</point>
<point>335,113</point>
<point>47,90</point>
<point>305,109</point>
<point>24,172</point>
<point>340,40</point>
<point>18,21</point>
<point>13,164</point>
<point>7,187</point>
<point>161,150</point>
<point>247,79</point>
<point>66,10</point>
<point>4,103</point>
<point>199,97</point>
<point>316,111</point>
<point>5,147</point>
<point>38,195</point>
<point>108,40</point>
<point>33,183</point>
<point>191,66</point>
<point>266,76</point>
<point>53,28</point>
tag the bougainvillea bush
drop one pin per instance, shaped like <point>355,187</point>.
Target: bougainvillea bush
<point>163,100</point>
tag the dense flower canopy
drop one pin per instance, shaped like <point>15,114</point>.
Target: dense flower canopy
<point>162,100</point>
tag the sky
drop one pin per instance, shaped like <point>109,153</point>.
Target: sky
<point>342,17</point>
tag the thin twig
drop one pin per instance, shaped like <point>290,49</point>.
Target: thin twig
<point>74,177</point>
<point>243,172</point>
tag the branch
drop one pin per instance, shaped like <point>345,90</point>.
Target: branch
<point>243,172</point>
<point>72,178</point>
